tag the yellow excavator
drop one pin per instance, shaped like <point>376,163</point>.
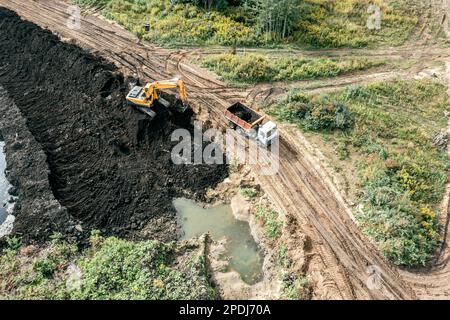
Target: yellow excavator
<point>143,98</point>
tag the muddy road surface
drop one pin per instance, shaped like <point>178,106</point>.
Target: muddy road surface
<point>108,167</point>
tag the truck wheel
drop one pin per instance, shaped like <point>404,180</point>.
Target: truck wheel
<point>241,131</point>
<point>232,125</point>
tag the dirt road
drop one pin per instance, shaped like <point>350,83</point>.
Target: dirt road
<point>301,188</point>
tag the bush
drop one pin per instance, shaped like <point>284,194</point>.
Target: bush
<point>249,192</point>
<point>296,287</point>
<point>319,114</point>
<point>13,243</point>
<point>343,23</point>
<point>328,116</point>
<point>402,174</point>
<point>36,275</point>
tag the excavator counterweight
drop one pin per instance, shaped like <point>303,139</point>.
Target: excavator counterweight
<point>143,98</point>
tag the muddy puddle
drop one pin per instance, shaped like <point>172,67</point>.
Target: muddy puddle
<point>241,250</point>
<point>4,186</point>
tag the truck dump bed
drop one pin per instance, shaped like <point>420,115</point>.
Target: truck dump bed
<point>243,116</point>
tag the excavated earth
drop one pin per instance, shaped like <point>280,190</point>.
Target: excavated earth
<point>106,165</point>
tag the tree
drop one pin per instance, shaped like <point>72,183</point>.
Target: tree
<point>276,19</point>
<point>206,4</point>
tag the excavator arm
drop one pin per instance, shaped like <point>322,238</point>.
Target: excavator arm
<point>143,98</point>
<point>151,88</point>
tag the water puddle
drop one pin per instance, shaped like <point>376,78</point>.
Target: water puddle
<point>4,186</point>
<point>241,250</point>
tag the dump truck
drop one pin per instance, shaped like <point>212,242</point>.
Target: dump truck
<point>250,124</point>
<point>143,98</point>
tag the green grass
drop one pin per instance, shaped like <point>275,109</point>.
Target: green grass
<point>402,175</point>
<point>180,24</point>
<point>296,288</point>
<point>253,68</point>
<point>270,220</point>
<point>321,23</point>
<point>282,256</point>
<point>331,24</point>
<point>249,192</point>
<point>110,269</point>
<point>38,276</point>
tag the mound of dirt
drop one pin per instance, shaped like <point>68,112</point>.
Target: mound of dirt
<point>108,167</point>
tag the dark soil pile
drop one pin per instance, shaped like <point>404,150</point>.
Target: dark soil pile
<point>108,166</point>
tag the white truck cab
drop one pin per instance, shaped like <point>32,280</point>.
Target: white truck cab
<point>267,133</point>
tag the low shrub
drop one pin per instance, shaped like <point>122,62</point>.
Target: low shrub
<point>120,269</point>
<point>404,230</point>
<point>330,116</point>
<point>35,276</point>
<point>315,114</point>
<point>296,287</point>
<point>302,68</point>
<point>270,219</point>
<point>252,68</point>
<point>249,68</point>
<point>249,192</point>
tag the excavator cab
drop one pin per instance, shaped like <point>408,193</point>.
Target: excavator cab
<point>143,98</point>
<point>137,99</point>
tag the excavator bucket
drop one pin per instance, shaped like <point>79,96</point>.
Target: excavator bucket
<point>147,111</point>
<point>164,102</point>
<point>181,106</point>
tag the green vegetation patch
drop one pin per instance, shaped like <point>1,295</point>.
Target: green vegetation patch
<point>270,219</point>
<point>109,269</point>
<point>343,23</point>
<point>28,274</point>
<point>386,134</point>
<point>296,287</point>
<point>311,23</point>
<point>249,192</point>
<point>322,113</point>
<point>252,68</point>
<point>180,23</point>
